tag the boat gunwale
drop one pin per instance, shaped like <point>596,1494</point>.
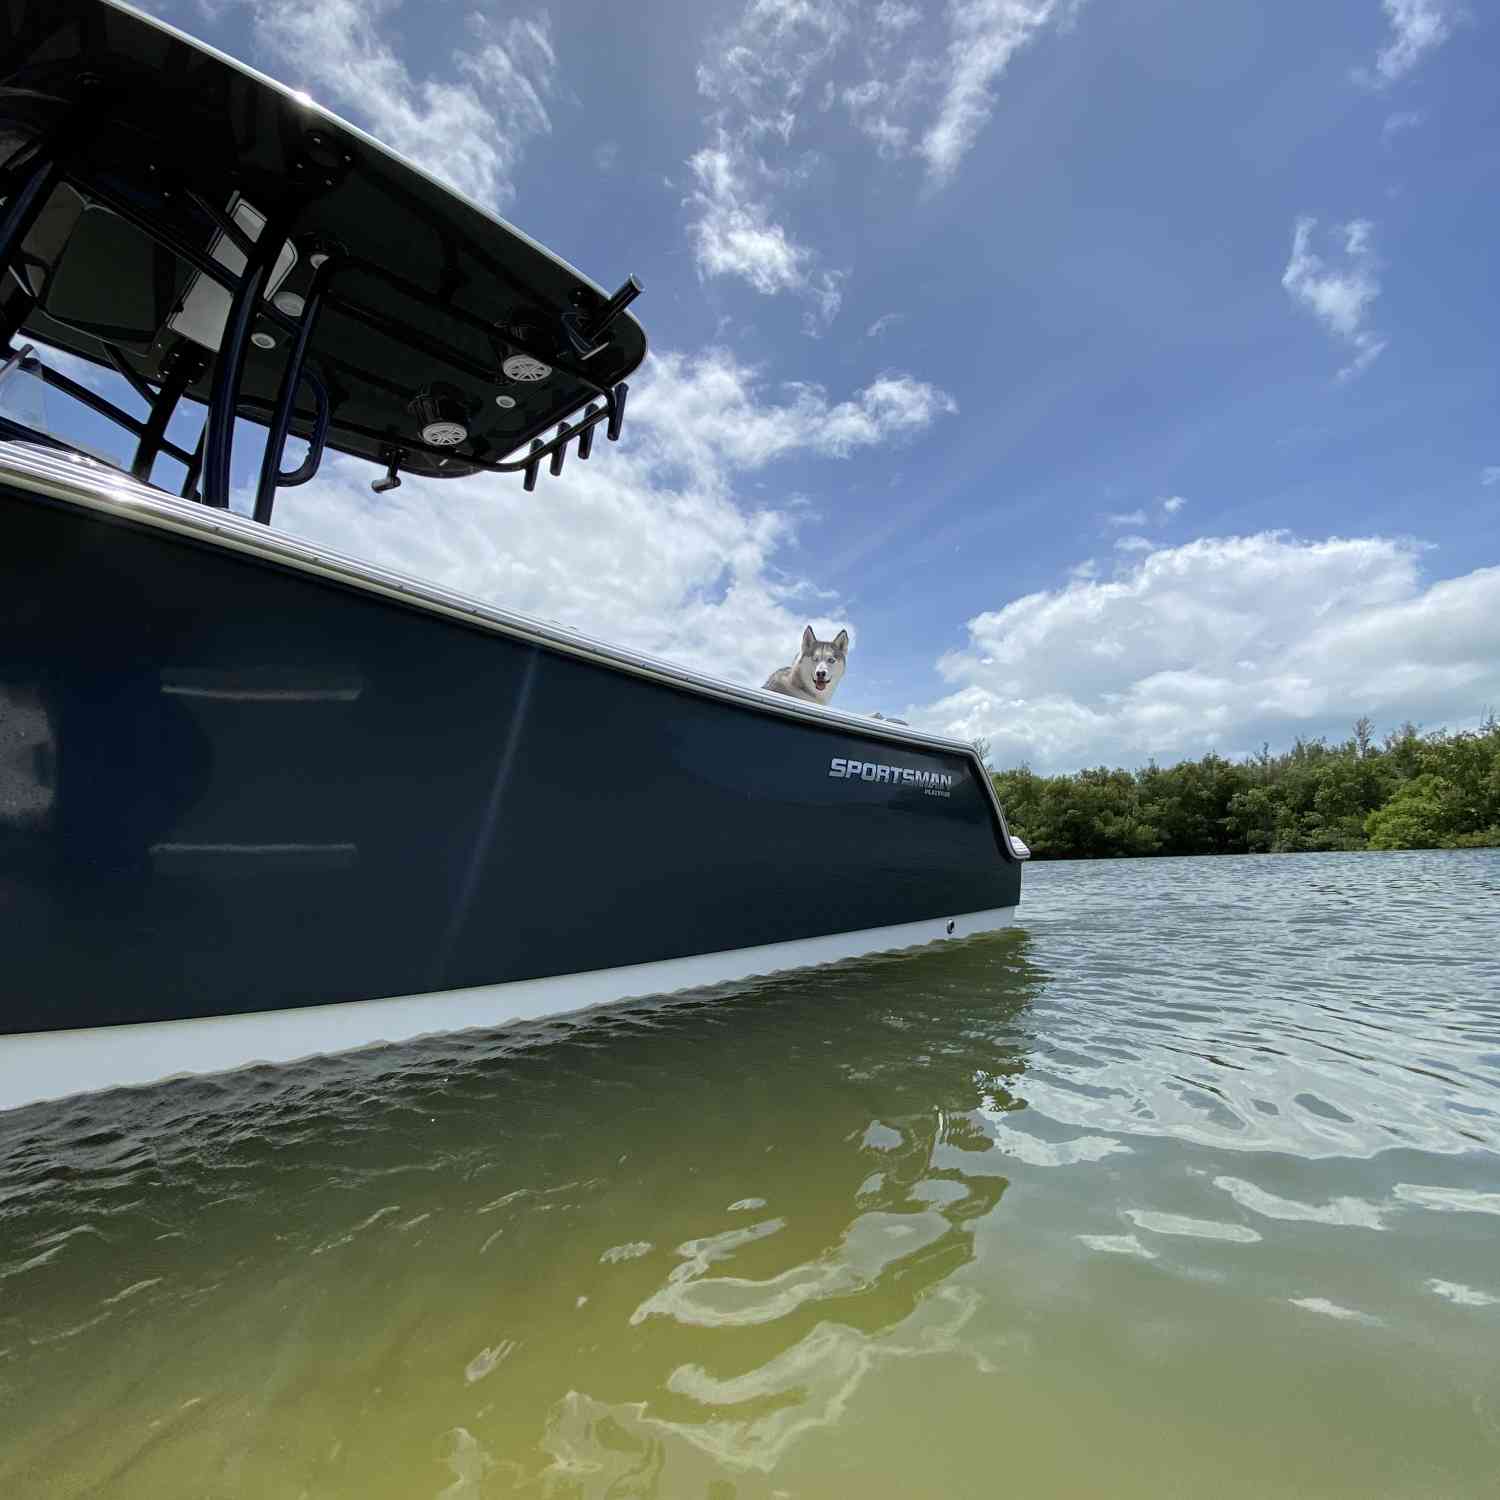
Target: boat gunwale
<point>75,478</point>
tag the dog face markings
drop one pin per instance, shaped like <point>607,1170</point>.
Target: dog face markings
<point>822,662</point>
<point>817,670</point>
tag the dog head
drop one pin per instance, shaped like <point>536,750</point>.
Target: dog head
<point>822,663</point>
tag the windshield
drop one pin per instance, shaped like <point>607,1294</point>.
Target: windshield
<point>32,409</point>
<point>28,404</point>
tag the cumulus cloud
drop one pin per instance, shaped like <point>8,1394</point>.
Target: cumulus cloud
<point>1338,295</point>
<point>1219,644</point>
<point>1417,28</point>
<point>650,545</point>
<point>469,130</point>
<point>1172,504</point>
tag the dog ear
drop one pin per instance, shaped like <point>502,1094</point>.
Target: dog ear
<point>809,640</point>
<point>841,642</point>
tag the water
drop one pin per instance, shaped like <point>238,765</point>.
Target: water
<point>1191,1187</point>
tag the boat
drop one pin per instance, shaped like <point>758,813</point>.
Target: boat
<point>261,801</point>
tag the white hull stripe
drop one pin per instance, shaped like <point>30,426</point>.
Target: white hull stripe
<point>57,1064</point>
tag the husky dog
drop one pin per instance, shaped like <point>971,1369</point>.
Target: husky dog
<point>816,672</point>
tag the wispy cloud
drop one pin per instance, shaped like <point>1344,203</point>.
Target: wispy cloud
<point>736,234</point>
<point>986,35</point>
<point>923,87</point>
<point>1339,296</point>
<point>934,102</point>
<point>470,130</point>
<point>1399,123</point>
<point>1490,475</point>
<point>1160,512</point>
<point>755,78</point>
<point>1417,28</point>
<point>884,321</point>
<point>895,16</point>
<point>1134,544</point>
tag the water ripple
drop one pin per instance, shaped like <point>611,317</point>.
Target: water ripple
<point>1212,1147</point>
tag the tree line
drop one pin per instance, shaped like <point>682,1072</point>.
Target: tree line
<point>1439,790</point>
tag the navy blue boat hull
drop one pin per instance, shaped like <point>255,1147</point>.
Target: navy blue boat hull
<point>236,786</point>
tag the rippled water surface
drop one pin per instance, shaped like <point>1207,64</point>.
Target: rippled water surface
<point>1190,1187</point>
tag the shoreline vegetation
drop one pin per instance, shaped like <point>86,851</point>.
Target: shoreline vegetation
<point>1439,790</point>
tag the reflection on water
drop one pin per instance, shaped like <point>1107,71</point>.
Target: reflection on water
<point>1193,1183</point>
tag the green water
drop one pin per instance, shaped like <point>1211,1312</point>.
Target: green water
<point>1190,1187</point>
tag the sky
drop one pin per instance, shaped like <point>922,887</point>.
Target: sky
<point>1121,373</point>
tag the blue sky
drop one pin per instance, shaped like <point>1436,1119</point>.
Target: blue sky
<point>1122,375</point>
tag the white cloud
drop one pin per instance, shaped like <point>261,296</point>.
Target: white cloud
<point>1163,510</point>
<point>649,544</point>
<point>712,416</point>
<point>736,235</point>
<point>755,76</point>
<point>1219,644</point>
<point>1417,28</point>
<point>986,35</point>
<point>1340,297</point>
<point>923,87</point>
<point>893,16</point>
<point>1490,475</point>
<point>1399,123</point>
<point>470,132</point>
<point>872,104</point>
<point>1134,544</point>
<point>884,321</point>
<point>607,155</point>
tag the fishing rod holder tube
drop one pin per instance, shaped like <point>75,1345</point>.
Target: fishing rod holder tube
<point>586,331</point>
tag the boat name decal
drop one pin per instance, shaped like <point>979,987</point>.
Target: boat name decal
<point>933,783</point>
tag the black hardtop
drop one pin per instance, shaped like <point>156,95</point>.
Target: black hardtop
<point>423,332</point>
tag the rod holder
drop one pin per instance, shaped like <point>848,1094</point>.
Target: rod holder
<point>534,467</point>
<point>564,432</point>
<point>586,437</point>
<point>615,306</point>
<point>617,416</point>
